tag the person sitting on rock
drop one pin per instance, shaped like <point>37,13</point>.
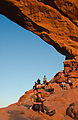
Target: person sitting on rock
<point>45,83</point>
<point>35,86</point>
<point>35,103</point>
<point>41,100</point>
<point>63,85</point>
<point>43,108</point>
<point>44,80</point>
<point>38,83</point>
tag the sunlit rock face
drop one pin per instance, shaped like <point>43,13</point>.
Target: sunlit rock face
<point>55,21</point>
<point>61,100</point>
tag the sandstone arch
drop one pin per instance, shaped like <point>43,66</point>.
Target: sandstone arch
<point>55,21</point>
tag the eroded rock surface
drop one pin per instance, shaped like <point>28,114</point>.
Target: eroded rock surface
<point>72,110</point>
<point>55,21</point>
<point>69,74</point>
<point>59,99</point>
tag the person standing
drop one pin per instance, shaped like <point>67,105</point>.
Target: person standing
<point>44,80</point>
<point>38,81</point>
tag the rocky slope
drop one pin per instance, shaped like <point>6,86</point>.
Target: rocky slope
<point>59,100</point>
<point>64,99</point>
<point>55,21</point>
<point>70,73</point>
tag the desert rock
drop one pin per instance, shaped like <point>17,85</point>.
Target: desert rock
<point>55,21</point>
<point>72,110</point>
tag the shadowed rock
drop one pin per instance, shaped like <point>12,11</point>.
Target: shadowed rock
<point>72,110</point>
<point>55,21</point>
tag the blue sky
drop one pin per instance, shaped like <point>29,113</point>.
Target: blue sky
<point>24,57</point>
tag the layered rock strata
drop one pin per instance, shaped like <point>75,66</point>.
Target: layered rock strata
<point>55,21</point>
<point>63,100</point>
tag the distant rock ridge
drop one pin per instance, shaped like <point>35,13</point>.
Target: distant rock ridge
<point>55,21</point>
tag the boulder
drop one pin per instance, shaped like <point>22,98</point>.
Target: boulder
<point>73,74</point>
<point>70,67</point>
<point>44,93</point>
<point>56,87</point>
<point>67,86</point>
<point>57,77</point>
<point>67,70</point>
<point>75,84</point>
<point>72,110</point>
<point>62,79</point>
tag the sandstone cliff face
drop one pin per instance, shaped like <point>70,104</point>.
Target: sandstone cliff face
<point>63,99</point>
<point>55,21</point>
<point>70,73</point>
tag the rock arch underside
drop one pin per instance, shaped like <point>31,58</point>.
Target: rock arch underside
<point>56,22</point>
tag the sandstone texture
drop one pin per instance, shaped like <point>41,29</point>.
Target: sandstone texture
<point>63,98</point>
<point>55,21</point>
<point>60,101</point>
<point>72,110</point>
<point>70,73</point>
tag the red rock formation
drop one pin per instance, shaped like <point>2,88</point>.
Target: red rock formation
<point>72,110</point>
<point>70,73</point>
<point>55,21</point>
<point>59,100</point>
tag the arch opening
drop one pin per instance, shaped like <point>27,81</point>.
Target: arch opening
<point>24,58</point>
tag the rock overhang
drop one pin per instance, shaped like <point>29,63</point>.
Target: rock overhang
<point>56,22</point>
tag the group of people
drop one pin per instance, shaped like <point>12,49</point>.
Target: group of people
<point>38,105</point>
<point>64,85</point>
<point>45,85</point>
<point>38,83</point>
<point>38,100</point>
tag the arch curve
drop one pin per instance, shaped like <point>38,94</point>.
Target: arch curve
<point>50,20</point>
